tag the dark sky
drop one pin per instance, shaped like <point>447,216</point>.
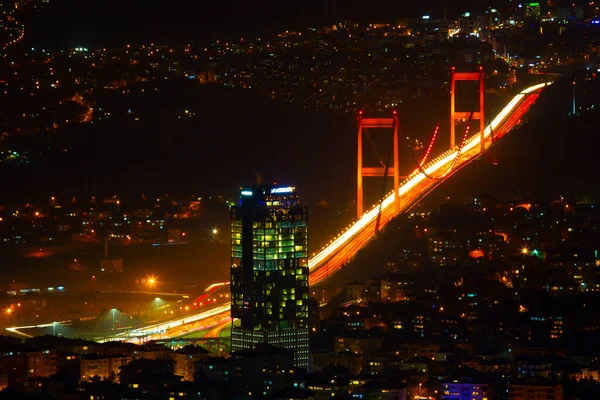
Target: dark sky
<point>108,22</point>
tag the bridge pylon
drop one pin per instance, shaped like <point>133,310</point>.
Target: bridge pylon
<point>456,115</point>
<point>361,172</point>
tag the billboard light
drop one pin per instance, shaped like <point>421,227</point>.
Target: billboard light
<point>287,189</point>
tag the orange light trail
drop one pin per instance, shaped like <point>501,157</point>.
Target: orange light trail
<point>344,247</point>
<point>216,331</point>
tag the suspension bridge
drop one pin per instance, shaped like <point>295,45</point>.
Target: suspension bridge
<point>407,192</point>
<point>426,177</point>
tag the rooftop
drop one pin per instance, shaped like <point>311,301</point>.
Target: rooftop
<point>191,349</point>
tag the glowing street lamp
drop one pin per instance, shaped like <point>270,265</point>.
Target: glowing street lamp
<point>524,251</point>
<point>156,300</point>
<point>113,319</point>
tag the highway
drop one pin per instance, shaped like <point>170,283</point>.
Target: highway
<point>206,319</point>
<point>215,332</point>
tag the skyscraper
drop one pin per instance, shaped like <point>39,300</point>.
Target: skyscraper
<point>532,10</point>
<point>269,270</point>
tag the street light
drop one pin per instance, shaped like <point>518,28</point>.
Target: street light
<point>157,300</point>
<point>113,319</point>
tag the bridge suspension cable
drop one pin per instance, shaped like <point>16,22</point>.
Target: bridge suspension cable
<point>421,164</point>
<point>382,197</point>
<point>426,156</point>
<point>372,145</point>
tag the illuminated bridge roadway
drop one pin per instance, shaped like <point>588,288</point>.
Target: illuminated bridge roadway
<point>345,246</point>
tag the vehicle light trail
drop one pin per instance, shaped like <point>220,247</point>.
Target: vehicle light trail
<point>176,323</point>
<point>328,259</point>
<point>216,331</point>
<point>419,186</point>
<point>175,327</point>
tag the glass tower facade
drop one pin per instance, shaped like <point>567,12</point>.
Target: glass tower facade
<point>269,270</point>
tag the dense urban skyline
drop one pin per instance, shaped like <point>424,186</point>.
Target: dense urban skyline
<point>159,160</point>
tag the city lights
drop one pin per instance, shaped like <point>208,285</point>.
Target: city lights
<point>136,181</point>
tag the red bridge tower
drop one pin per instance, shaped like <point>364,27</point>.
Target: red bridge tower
<point>456,116</point>
<point>367,123</point>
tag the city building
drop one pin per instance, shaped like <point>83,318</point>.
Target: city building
<point>444,249</point>
<point>347,359</point>
<point>358,343</point>
<point>149,377</point>
<point>214,369</point>
<point>269,271</point>
<point>532,10</point>
<point>185,358</point>
<point>535,388</point>
<point>24,363</point>
<point>102,366</point>
<point>384,390</point>
<point>265,370</point>
<point>465,389</point>
<point>152,351</point>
